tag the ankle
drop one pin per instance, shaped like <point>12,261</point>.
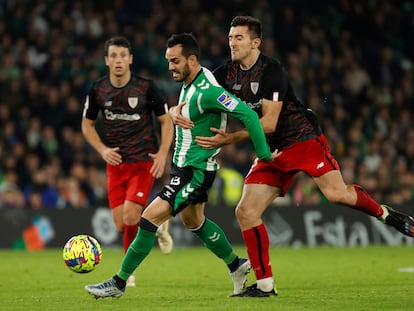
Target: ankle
<point>266,284</point>
<point>385,213</point>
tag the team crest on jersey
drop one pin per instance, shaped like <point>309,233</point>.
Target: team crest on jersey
<point>132,102</point>
<point>254,86</point>
<point>227,101</point>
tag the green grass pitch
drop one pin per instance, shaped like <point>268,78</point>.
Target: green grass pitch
<point>322,278</point>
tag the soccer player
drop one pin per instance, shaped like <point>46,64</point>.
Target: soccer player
<point>205,103</point>
<point>292,128</point>
<point>130,148</point>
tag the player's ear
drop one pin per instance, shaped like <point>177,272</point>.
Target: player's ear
<point>257,42</point>
<point>193,59</point>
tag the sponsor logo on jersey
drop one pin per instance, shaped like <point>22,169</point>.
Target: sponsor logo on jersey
<point>109,115</point>
<point>254,86</point>
<point>227,101</point>
<point>236,87</point>
<point>108,103</point>
<point>132,102</point>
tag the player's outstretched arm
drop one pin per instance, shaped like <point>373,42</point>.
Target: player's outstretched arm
<point>270,110</point>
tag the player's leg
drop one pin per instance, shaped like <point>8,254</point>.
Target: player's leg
<point>335,190</point>
<point>254,201</point>
<point>117,197</point>
<point>139,185</point>
<point>326,173</point>
<point>214,238</point>
<point>131,216</point>
<point>154,215</point>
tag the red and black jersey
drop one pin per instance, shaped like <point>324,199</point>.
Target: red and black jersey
<point>127,114</point>
<point>268,79</point>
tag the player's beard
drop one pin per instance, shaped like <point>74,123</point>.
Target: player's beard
<point>184,73</point>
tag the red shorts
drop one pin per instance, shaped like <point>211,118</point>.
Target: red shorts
<point>129,181</point>
<point>312,157</point>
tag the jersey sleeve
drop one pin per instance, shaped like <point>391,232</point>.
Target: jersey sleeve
<point>275,83</point>
<point>91,108</point>
<point>223,101</point>
<point>157,99</point>
<point>220,74</point>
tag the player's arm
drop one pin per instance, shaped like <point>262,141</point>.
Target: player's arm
<point>158,100</point>
<point>223,101</point>
<point>90,113</point>
<point>110,155</point>
<point>160,158</point>
<point>270,115</point>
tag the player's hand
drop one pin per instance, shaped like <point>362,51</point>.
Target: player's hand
<point>112,156</point>
<point>178,118</point>
<point>158,167</point>
<point>211,142</point>
<point>275,154</point>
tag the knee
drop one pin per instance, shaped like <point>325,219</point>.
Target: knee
<point>192,223</point>
<point>131,216</point>
<point>244,214</point>
<point>119,224</point>
<point>336,196</point>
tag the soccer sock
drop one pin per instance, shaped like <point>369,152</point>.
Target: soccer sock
<point>130,232</point>
<point>216,241</point>
<point>366,203</point>
<point>139,248</point>
<point>257,243</point>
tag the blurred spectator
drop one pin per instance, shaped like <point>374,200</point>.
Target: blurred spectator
<point>350,61</point>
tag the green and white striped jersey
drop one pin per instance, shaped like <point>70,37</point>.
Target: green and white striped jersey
<point>207,105</point>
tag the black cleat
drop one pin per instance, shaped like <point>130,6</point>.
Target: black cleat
<point>253,291</point>
<point>401,222</point>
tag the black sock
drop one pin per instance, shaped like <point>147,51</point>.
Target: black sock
<point>119,282</point>
<point>234,265</point>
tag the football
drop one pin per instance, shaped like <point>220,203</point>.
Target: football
<point>82,253</point>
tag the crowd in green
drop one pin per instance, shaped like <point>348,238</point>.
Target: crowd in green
<point>350,61</point>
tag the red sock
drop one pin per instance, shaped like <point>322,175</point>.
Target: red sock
<point>129,235</point>
<point>366,203</point>
<point>257,243</point>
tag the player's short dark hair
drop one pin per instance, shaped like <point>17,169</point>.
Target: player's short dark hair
<point>187,41</point>
<point>254,25</point>
<point>118,41</point>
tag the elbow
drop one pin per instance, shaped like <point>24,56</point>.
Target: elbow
<point>269,127</point>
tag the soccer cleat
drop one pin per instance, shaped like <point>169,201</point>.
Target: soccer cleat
<point>401,222</point>
<point>165,240</point>
<point>253,291</point>
<point>239,276</point>
<point>131,281</point>
<point>105,289</point>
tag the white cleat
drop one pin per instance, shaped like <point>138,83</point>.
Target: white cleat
<point>105,289</point>
<point>131,281</point>
<point>165,240</point>
<point>239,276</point>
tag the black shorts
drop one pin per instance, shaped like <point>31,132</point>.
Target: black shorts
<point>187,185</point>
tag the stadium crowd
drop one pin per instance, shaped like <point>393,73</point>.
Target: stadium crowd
<point>351,61</point>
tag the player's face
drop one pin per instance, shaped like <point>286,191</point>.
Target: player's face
<point>241,45</point>
<point>118,60</point>
<point>177,63</point>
